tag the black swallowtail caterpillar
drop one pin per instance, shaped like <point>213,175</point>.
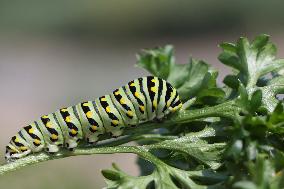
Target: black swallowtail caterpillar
<point>141,100</point>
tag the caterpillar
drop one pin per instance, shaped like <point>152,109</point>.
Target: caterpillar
<point>141,100</point>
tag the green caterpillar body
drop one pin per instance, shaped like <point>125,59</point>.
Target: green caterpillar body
<point>141,100</point>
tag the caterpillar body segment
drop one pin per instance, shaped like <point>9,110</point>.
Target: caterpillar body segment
<point>141,100</point>
<point>32,134</point>
<point>134,91</point>
<point>111,118</point>
<point>70,126</point>
<point>51,131</point>
<point>125,107</point>
<point>92,125</point>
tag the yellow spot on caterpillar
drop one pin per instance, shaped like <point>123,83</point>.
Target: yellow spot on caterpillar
<point>31,130</point>
<point>153,80</point>
<point>36,141</point>
<point>94,127</point>
<point>89,114</point>
<point>137,94</point>
<point>13,150</point>
<point>86,104</point>
<point>116,93</point>
<point>73,131</point>
<point>68,119</point>
<point>168,104</point>
<point>45,117</point>
<point>115,122</point>
<point>22,148</point>
<point>132,84</point>
<point>142,108</point>
<point>154,89</point>
<point>48,124</point>
<point>122,101</point>
<point>108,109</point>
<point>17,139</point>
<point>103,99</point>
<point>64,110</point>
<point>130,113</point>
<point>155,104</point>
<point>54,137</point>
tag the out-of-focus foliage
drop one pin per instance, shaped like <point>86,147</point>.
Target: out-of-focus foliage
<point>142,18</point>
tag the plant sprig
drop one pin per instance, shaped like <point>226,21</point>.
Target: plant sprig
<point>133,134</point>
<point>225,137</point>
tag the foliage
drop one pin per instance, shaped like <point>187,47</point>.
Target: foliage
<point>225,137</point>
<point>255,145</point>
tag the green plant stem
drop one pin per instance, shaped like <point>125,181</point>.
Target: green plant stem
<point>227,109</point>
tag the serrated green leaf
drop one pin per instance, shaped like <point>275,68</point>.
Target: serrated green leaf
<point>251,60</point>
<point>260,41</point>
<point>163,176</point>
<point>230,47</point>
<point>157,61</point>
<point>243,99</point>
<point>200,150</point>
<point>189,79</point>
<point>269,92</point>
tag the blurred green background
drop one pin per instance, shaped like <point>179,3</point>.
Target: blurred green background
<point>58,54</point>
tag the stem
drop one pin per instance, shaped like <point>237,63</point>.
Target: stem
<point>129,138</point>
<point>41,157</point>
<point>227,109</point>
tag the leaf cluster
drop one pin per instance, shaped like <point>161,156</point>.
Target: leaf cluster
<point>244,150</point>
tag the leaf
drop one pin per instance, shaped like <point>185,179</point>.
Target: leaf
<point>251,61</point>
<point>191,79</point>
<point>244,185</point>
<point>275,120</point>
<point>209,93</point>
<point>115,178</point>
<point>207,154</point>
<point>243,99</point>
<point>231,81</point>
<point>262,175</point>
<point>188,78</point>
<point>274,87</point>
<point>256,100</point>
<point>167,176</point>
<point>163,176</point>
<point>157,61</point>
<point>277,115</point>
